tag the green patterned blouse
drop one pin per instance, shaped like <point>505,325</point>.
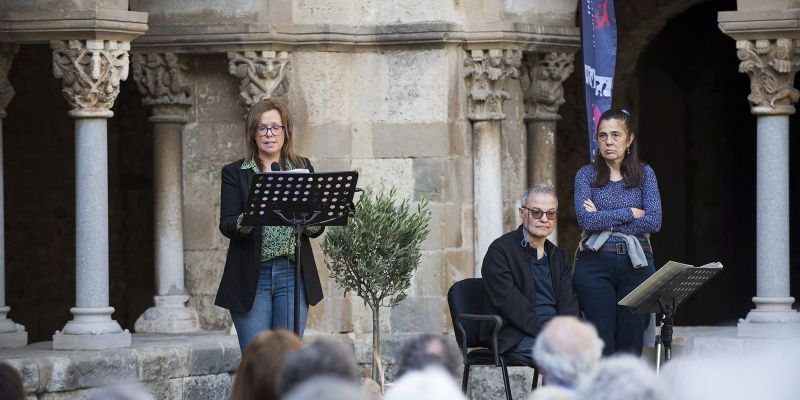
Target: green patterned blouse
<point>277,241</point>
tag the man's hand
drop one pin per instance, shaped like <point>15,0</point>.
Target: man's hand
<point>637,213</point>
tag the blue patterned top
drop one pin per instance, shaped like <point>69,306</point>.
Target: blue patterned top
<point>614,203</point>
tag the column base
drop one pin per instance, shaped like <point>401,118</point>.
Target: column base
<point>169,315</point>
<point>91,329</point>
<point>18,338</point>
<point>64,341</point>
<point>11,333</point>
<point>772,317</point>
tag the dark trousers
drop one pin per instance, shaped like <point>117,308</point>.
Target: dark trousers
<point>522,352</point>
<point>601,280</point>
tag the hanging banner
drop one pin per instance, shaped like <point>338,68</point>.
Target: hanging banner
<point>599,42</point>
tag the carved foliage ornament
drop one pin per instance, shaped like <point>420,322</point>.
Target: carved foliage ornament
<point>90,71</point>
<point>486,71</point>
<point>159,78</point>
<point>261,74</point>
<point>771,66</point>
<point>7,52</point>
<point>542,81</point>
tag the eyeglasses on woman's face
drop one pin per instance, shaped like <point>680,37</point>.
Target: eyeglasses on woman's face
<point>537,213</point>
<point>275,130</point>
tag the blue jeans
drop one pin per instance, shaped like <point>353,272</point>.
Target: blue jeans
<point>601,280</point>
<point>273,306</point>
<point>522,352</point>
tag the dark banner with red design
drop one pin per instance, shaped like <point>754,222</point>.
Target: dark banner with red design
<point>599,35</point>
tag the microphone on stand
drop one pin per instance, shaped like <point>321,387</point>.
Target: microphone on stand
<point>275,167</point>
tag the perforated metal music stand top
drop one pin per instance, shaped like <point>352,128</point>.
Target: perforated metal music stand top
<point>329,195</point>
<point>672,284</point>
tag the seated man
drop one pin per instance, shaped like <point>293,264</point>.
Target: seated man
<point>527,279</point>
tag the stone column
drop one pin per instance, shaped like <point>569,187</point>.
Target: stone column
<point>544,93</point>
<point>159,78</point>
<point>486,71</point>
<point>771,66</point>
<point>91,72</point>
<point>11,334</point>
<point>261,74</point>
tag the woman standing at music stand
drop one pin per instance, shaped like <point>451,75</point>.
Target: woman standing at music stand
<point>257,284</point>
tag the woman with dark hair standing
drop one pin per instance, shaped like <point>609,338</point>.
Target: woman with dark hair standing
<point>257,284</point>
<point>618,205</point>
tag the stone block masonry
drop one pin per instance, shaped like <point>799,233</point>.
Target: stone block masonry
<point>172,367</point>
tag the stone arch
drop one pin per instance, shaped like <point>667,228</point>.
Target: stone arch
<point>679,75</point>
<point>698,132</point>
<point>39,158</point>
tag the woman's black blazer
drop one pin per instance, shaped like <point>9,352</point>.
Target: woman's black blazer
<point>237,290</point>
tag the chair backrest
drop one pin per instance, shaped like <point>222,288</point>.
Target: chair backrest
<point>466,297</point>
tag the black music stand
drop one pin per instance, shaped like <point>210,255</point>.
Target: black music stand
<point>299,200</point>
<point>665,290</point>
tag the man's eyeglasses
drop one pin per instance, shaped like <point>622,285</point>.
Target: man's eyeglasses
<point>276,130</point>
<point>537,213</point>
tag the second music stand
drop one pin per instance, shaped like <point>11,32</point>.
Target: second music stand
<point>663,291</point>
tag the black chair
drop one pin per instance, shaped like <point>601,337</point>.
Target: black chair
<point>465,299</point>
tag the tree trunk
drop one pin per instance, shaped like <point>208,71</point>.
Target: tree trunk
<point>377,365</point>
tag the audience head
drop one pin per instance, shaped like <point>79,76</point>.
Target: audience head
<point>766,371</point>
<point>10,383</point>
<point>261,364</point>
<point>552,393</point>
<point>322,357</point>
<point>426,350</point>
<point>431,383</point>
<point>326,388</point>
<point>566,350</point>
<point>621,377</point>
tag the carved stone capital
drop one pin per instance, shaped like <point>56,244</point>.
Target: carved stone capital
<point>7,52</point>
<point>542,78</point>
<point>771,66</point>
<point>91,72</point>
<point>159,78</point>
<point>261,74</point>
<point>485,73</point>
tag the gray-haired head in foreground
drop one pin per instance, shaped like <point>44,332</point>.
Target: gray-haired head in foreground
<point>567,350</point>
<point>326,388</point>
<point>431,383</point>
<point>425,350</point>
<point>321,357</point>
<point>537,190</point>
<point>621,377</point>
<point>551,392</point>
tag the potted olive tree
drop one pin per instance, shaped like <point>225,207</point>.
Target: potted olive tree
<point>376,254</point>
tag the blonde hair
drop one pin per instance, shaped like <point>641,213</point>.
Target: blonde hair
<point>251,123</point>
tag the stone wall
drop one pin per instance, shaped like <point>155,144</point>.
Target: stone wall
<point>396,116</point>
<point>196,367</point>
